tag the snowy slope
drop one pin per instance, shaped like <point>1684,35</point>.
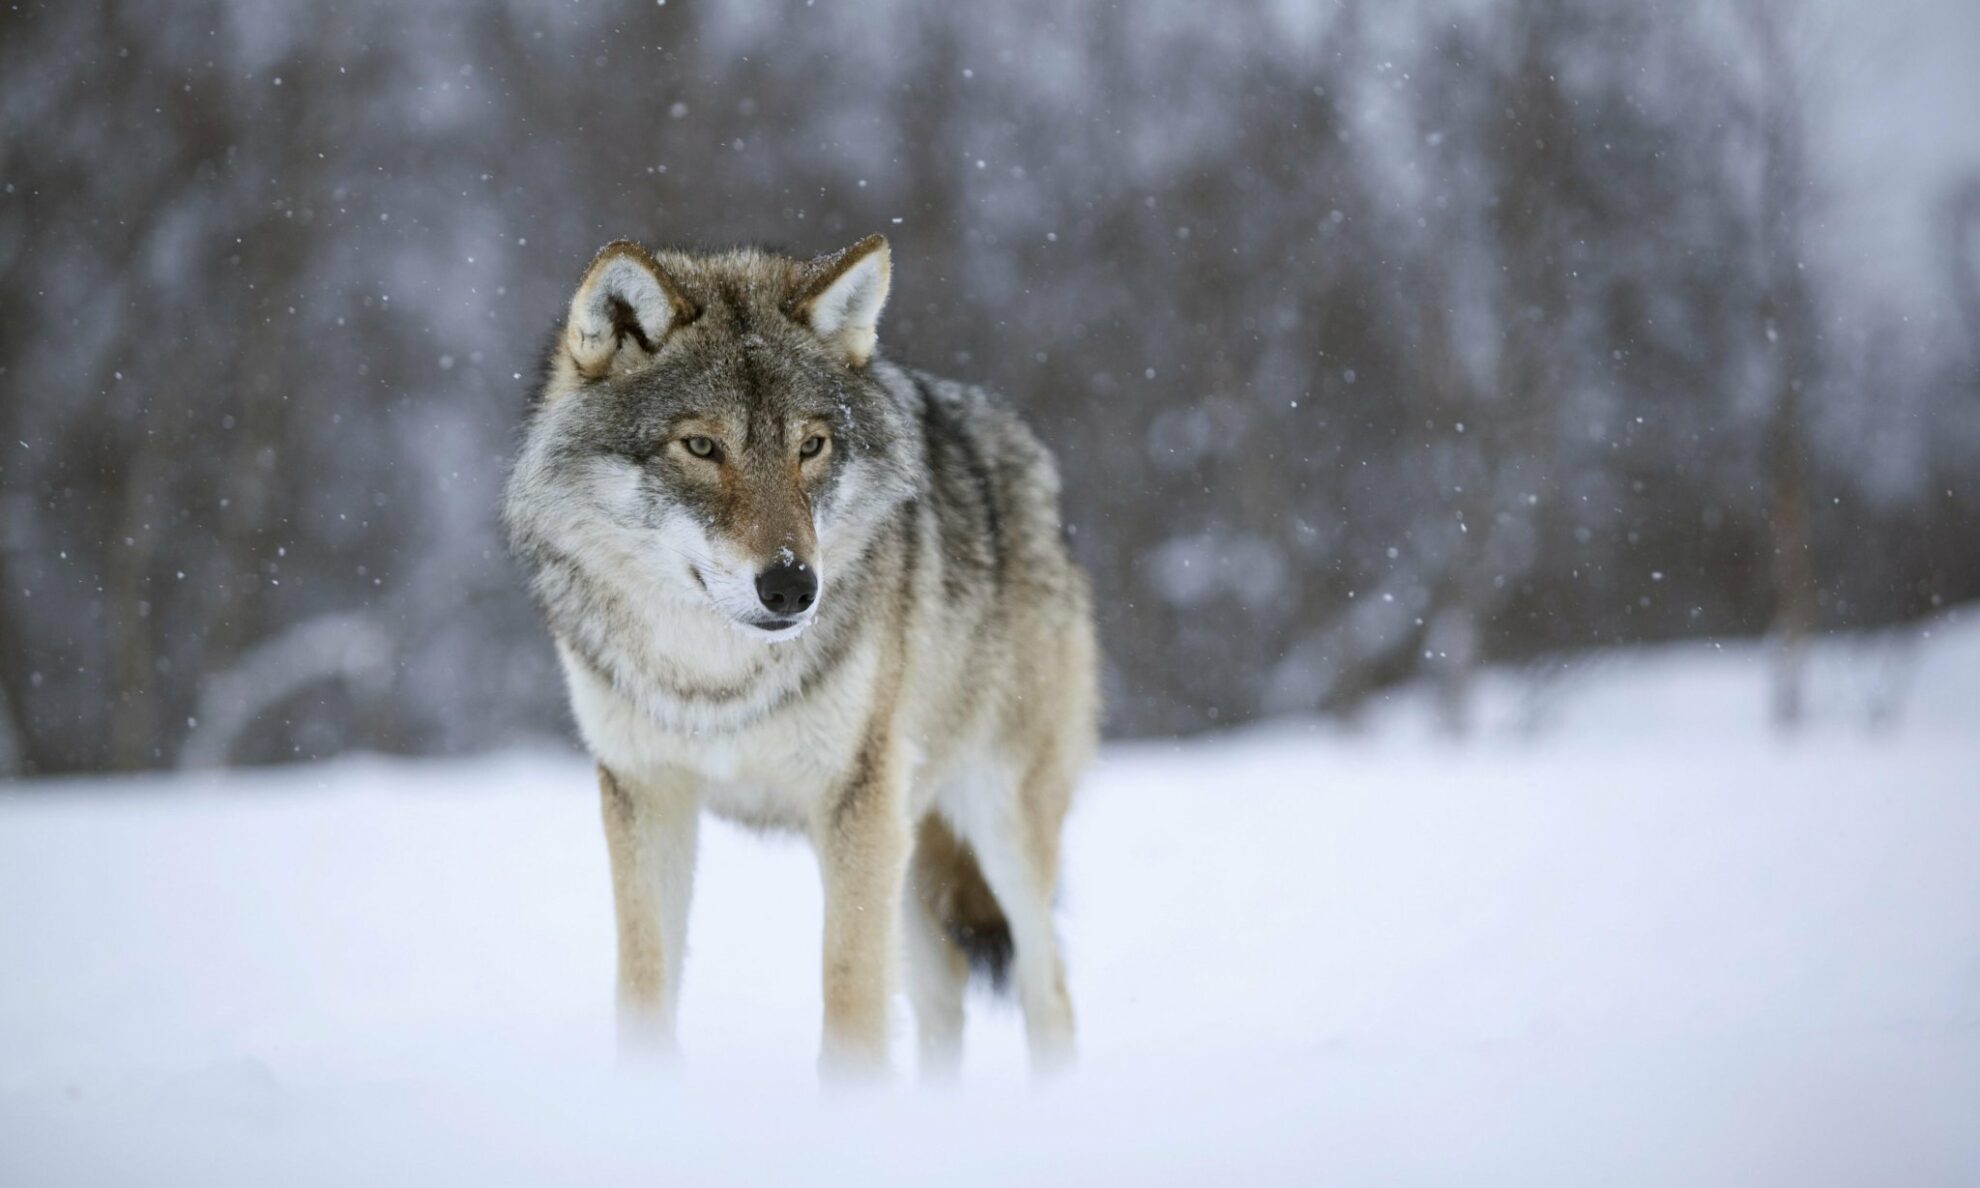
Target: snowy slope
<point>1628,936</point>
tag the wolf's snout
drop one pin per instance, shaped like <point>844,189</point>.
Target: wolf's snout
<point>787,588</point>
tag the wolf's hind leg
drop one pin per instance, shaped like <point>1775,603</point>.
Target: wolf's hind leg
<point>938,971</point>
<point>1017,847</point>
<point>650,828</point>
<point>937,975</point>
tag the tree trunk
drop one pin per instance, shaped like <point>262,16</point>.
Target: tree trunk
<point>1792,565</point>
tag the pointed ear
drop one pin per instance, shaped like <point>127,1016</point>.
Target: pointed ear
<point>840,297</point>
<point>623,307</point>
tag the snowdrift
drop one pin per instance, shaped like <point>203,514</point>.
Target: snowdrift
<point>1625,934</point>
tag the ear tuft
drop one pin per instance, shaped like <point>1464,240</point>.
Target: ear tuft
<point>623,307</point>
<point>841,295</point>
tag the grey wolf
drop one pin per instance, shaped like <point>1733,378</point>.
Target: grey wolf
<point>805,588</point>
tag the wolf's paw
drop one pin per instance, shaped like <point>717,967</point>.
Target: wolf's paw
<point>853,1065</point>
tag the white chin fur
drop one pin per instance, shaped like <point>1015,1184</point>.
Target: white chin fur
<point>778,636</point>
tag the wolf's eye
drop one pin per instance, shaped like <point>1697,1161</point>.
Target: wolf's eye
<point>700,447</point>
<point>812,445</point>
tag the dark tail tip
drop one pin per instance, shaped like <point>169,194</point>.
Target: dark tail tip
<point>951,886</point>
<point>987,945</point>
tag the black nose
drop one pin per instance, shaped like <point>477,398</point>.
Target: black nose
<point>787,588</point>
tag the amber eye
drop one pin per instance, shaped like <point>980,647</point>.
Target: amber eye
<point>700,447</point>
<point>812,445</point>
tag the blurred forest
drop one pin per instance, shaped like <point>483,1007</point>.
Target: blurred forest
<point>1376,340</point>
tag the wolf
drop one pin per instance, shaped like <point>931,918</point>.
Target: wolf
<point>805,588</point>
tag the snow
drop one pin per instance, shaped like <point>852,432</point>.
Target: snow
<point>1628,935</point>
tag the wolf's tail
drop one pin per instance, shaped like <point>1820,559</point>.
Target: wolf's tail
<point>950,886</point>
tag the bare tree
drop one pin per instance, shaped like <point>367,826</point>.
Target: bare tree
<point>1960,232</point>
<point>1787,317</point>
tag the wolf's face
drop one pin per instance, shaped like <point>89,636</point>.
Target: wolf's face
<point>710,431</point>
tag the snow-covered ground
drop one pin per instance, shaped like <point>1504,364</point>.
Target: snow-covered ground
<point>1627,935</point>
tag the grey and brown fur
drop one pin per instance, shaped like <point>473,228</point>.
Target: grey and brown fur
<point>922,717</point>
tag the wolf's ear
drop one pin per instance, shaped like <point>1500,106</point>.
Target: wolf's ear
<point>623,307</point>
<point>841,294</point>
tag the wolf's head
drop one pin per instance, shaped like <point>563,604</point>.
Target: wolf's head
<point>712,429</point>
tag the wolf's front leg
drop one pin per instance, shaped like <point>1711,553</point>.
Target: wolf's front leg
<point>862,842</point>
<point>650,825</point>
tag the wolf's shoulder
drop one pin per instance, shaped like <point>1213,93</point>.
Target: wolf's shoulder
<point>990,484</point>
<point>978,421</point>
